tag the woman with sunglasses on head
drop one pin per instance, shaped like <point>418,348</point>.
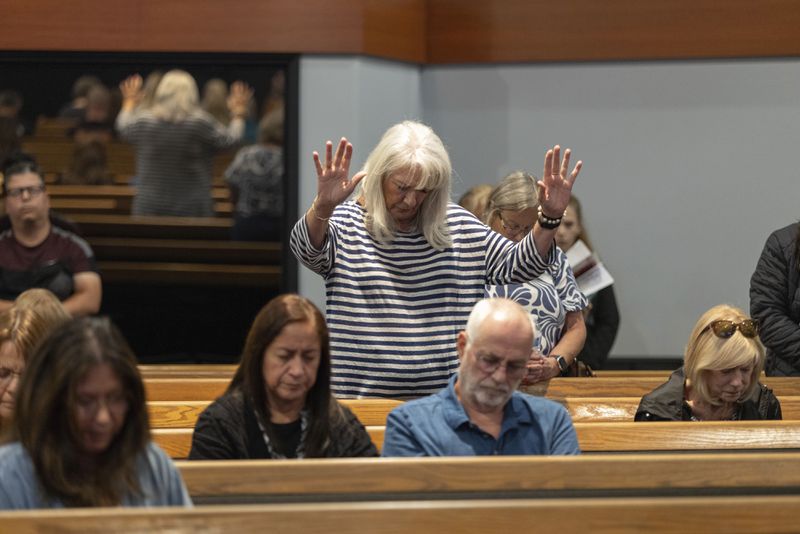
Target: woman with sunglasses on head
<point>553,299</point>
<point>81,435</point>
<point>719,377</point>
<point>279,404</point>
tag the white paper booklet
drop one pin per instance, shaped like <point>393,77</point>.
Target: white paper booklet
<point>589,271</point>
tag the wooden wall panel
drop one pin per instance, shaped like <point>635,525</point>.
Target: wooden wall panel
<point>480,31</point>
<point>392,28</point>
<point>421,31</point>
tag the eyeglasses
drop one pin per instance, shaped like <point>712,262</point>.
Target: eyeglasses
<point>489,363</point>
<point>32,190</point>
<point>725,329</point>
<point>514,229</point>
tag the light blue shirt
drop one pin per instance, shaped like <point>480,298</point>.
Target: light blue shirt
<point>439,426</point>
<point>159,480</point>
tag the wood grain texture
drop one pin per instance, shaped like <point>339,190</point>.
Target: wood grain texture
<point>398,476</point>
<point>388,28</point>
<point>615,437</point>
<point>669,514</point>
<point>490,31</point>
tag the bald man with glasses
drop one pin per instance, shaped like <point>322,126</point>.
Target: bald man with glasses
<point>480,412</point>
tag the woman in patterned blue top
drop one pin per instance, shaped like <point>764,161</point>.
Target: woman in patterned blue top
<point>553,299</point>
<point>403,265</point>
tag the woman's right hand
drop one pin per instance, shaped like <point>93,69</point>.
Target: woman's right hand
<point>334,185</point>
<point>131,89</point>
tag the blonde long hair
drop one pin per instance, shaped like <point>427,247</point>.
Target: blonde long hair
<point>708,352</point>
<point>176,96</point>
<point>414,148</point>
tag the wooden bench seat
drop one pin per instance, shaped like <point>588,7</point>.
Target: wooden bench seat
<point>614,437</point>
<point>195,274</point>
<point>563,388</point>
<point>184,414</point>
<point>151,226</point>
<point>559,388</point>
<point>186,250</point>
<point>373,412</point>
<point>775,513</point>
<point>364,479</point>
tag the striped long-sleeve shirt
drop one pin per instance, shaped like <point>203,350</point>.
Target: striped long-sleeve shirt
<point>174,161</point>
<point>394,310</point>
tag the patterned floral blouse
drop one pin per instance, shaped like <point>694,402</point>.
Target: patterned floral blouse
<point>548,298</point>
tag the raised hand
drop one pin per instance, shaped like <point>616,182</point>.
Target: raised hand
<point>239,99</point>
<point>555,187</point>
<point>334,184</point>
<point>131,88</point>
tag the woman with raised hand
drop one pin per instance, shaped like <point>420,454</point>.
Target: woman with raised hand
<point>81,435</point>
<point>719,377</point>
<point>553,298</point>
<point>279,403</point>
<point>176,142</point>
<point>403,265</point>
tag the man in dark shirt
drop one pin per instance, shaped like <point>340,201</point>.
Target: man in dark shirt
<point>34,253</point>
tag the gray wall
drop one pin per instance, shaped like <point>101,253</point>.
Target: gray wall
<point>688,165</point>
<point>357,98</point>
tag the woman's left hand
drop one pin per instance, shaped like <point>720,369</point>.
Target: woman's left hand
<point>555,187</point>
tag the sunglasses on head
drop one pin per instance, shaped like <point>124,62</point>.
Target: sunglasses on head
<point>725,329</point>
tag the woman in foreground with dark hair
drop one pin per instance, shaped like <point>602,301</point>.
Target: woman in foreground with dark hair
<point>81,434</point>
<point>279,403</point>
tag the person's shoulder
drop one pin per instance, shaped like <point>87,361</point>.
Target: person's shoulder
<point>785,236</point>
<point>421,407</point>
<point>226,405</point>
<point>12,453</point>
<point>15,462</point>
<point>62,234</point>
<point>539,405</point>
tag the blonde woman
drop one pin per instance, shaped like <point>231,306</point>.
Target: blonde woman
<point>719,377</point>
<point>403,265</point>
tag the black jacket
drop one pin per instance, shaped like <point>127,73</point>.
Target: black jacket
<point>228,429</point>
<point>775,302</point>
<point>601,328</point>
<point>666,403</point>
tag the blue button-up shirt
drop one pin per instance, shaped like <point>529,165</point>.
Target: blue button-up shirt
<point>439,426</point>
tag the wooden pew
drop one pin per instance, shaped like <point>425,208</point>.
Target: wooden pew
<point>151,226</point>
<point>560,388</point>
<point>54,155</point>
<point>202,370</point>
<point>198,274</point>
<point>373,412</point>
<point>184,414</point>
<point>614,437</point>
<point>775,513</point>
<point>365,479</point>
<point>186,250</point>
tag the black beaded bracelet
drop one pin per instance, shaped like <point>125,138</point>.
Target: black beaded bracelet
<point>548,223</point>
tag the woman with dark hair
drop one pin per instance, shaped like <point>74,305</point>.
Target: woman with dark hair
<point>602,314</point>
<point>81,435</point>
<point>279,403</point>
<point>775,300</point>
